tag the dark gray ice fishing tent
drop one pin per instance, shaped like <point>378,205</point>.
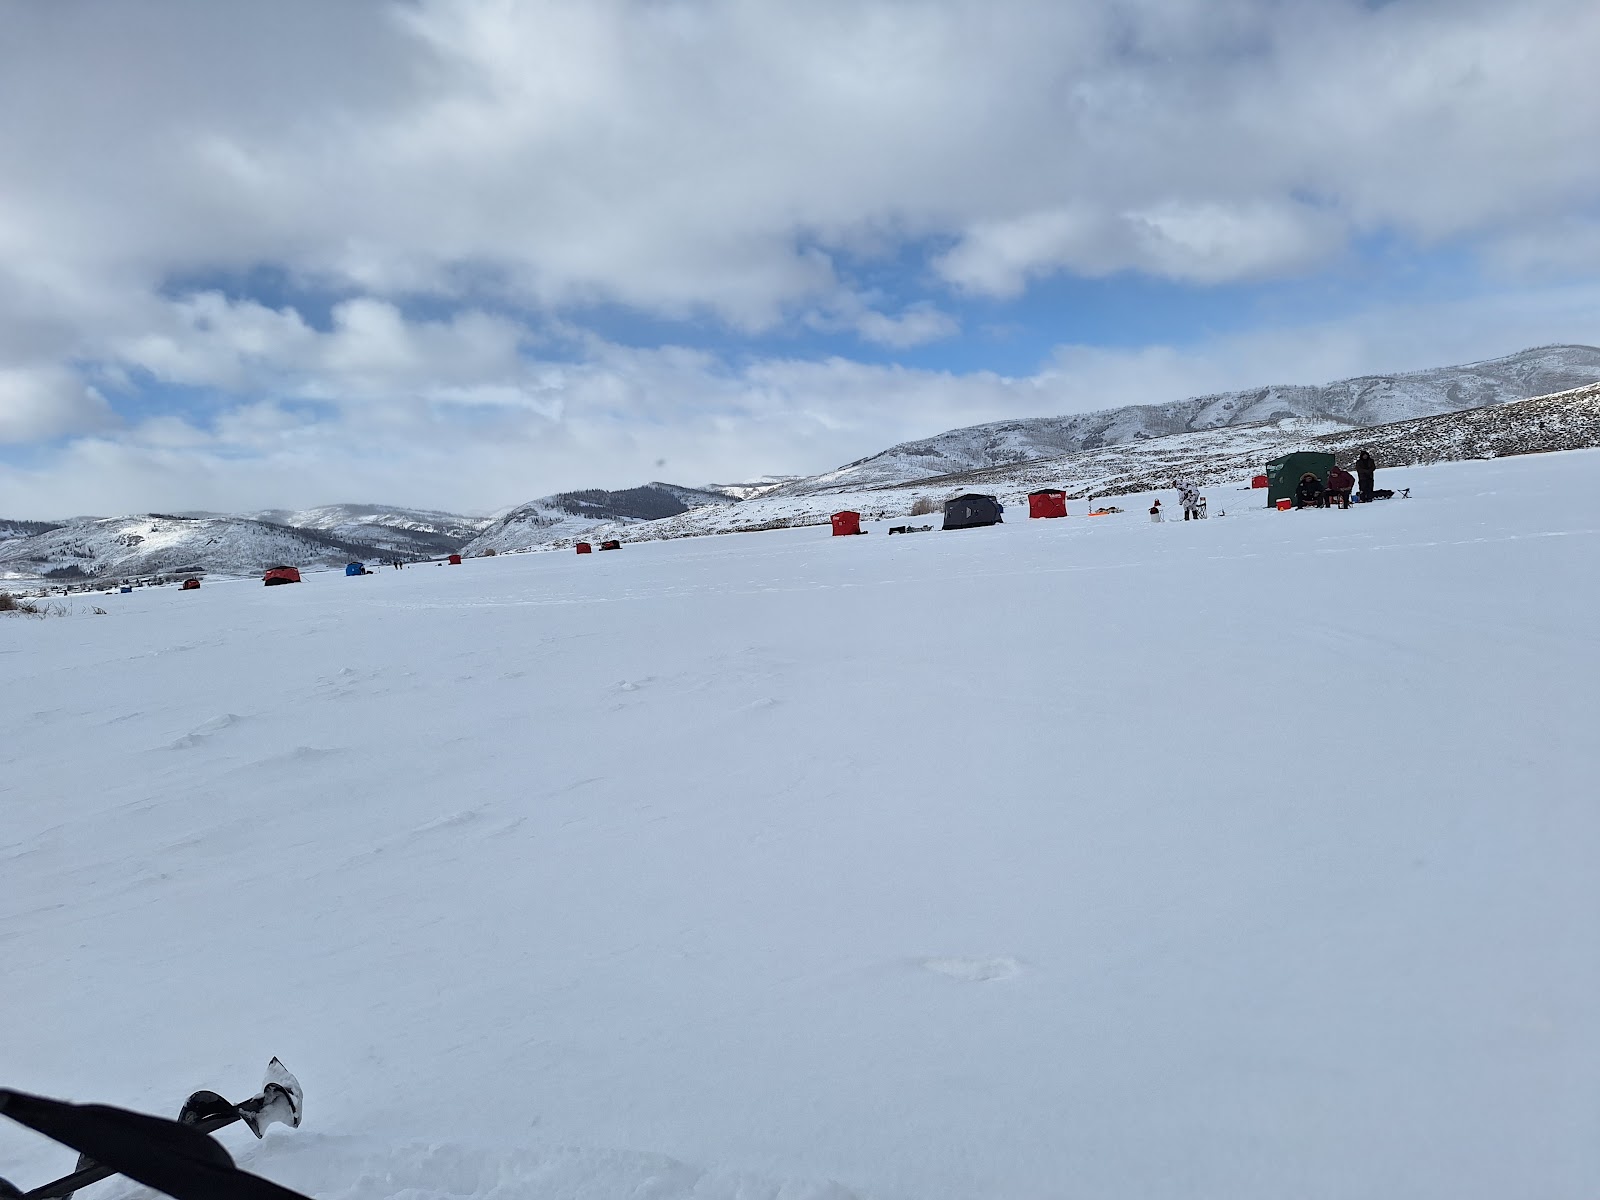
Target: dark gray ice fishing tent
<point>971,511</point>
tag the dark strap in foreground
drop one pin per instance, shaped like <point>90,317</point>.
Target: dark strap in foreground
<point>180,1160</point>
<point>89,1172</point>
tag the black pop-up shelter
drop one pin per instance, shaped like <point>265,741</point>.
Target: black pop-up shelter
<point>1283,474</point>
<point>971,511</point>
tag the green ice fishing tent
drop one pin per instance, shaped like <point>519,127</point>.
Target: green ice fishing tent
<point>1283,474</point>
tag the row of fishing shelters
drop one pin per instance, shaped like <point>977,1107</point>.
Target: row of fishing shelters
<point>972,510</point>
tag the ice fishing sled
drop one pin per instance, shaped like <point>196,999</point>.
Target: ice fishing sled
<point>176,1157</point>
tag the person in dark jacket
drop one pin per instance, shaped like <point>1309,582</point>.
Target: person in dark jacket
<point>1364,469</point>
<point>1340,482</point>
<point>1309,493</point>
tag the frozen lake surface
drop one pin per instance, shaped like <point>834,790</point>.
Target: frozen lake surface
<point>1247,858</point>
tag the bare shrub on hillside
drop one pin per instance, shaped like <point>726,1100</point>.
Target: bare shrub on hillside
<point>924,506</point>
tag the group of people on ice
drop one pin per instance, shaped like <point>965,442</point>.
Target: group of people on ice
<point>1312,492</point>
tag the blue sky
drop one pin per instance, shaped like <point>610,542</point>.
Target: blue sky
<point>457,253</point>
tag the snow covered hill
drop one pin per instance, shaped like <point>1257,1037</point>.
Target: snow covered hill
<point>1565,421</point>
<point>1240,859</point>
<point>1369,400</point>
<point>758,486</point>
<point>408,532</point>
<point>571,516</point>
<point>10,529</point>
<point>1104,453</point>
<point>124,547</point>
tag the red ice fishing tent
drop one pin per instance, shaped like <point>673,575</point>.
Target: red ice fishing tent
<point>190,585</point>
<point>846,523</point>
<point>281,575</point>
<point>585,548</point>
<point>1259,481</point>
<point>455,560</point>
<point>611,544</point>
<point>1047,502</point>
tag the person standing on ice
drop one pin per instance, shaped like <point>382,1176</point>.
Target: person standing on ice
<point>1365,468</point>
<point>1189,497</point>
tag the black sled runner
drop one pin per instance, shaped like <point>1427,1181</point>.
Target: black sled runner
<point>176,1157</point>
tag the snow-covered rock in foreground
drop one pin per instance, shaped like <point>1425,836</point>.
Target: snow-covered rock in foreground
<point>1369,400</point>
<point>1236,859</point>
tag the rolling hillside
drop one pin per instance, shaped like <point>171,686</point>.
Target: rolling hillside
<point>566,517</point>
<point>408,532</point>
<point>1565,421</point>
<point>123,547</point>
<point>1365,401</point>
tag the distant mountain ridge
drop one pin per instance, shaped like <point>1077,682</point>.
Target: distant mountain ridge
<point>10,529</point>
<point>1228,456</point>
<point>566,516</point>
<point>156,543</point>
<point>1350,403</point>
<point>406,532</point>
<point>1102,453</point>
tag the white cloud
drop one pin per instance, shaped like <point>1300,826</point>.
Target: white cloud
<point>747,164</point>
<point>916,326</point>
<point>1197,243</point>
<point>372,352</point>
<point>47,402</point>
<point>706,156</point>
<point>204,339</point>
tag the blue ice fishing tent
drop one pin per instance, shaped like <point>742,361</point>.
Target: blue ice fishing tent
<point>356,569</point>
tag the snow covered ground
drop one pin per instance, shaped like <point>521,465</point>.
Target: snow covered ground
<point>1245,858</point>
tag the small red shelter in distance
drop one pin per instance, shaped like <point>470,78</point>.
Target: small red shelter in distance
<point>281,575</point>
<point>1047,502</point>
<point>611,544</point>
<point>455,560</point>
<point>584,548</point>
<point>1258,481</point>
<point>846,523</point>
<point>190,585</point>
